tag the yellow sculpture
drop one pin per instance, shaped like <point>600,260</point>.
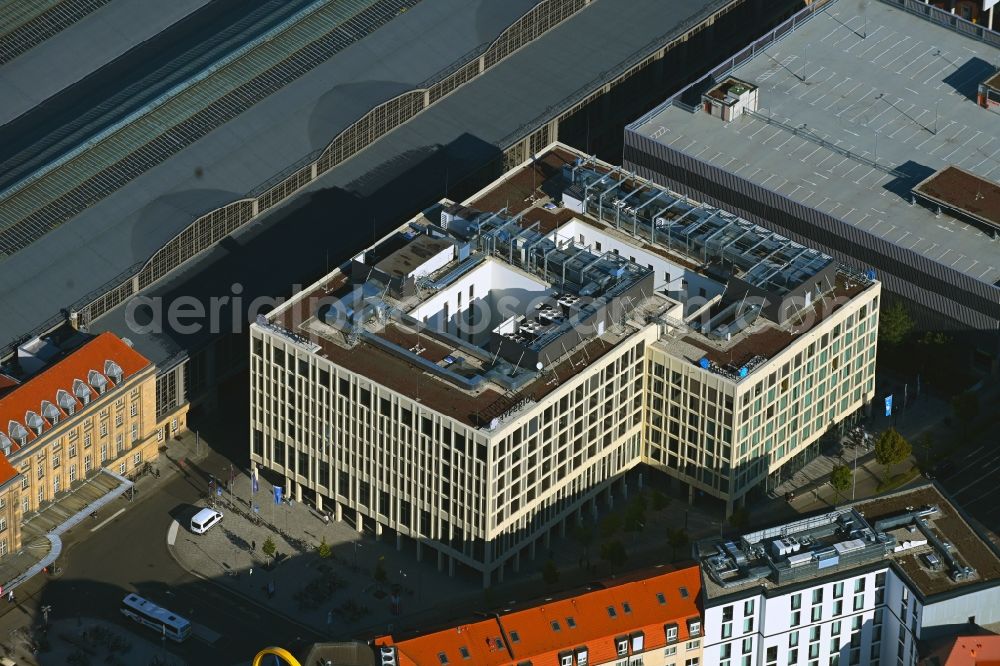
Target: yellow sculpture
<point>284,654</point>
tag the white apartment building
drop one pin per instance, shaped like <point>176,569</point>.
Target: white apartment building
<point>476,379</point>
<point>857,585</point>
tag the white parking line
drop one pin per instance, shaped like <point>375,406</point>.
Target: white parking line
<point>172,533</point>
<point>107,520</point>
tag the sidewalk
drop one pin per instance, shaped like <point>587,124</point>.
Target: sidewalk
<point>45,532</point>
<point>339,595</point>
<point>922,414</point>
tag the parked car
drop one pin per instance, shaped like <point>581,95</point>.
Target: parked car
<point>204,520</point>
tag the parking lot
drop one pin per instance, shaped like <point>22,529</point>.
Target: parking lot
<point>970,477</point>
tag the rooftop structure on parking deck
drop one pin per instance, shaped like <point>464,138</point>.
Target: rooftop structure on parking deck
<point>853,128</point>
<point>523,338</point>
<point>918,531</point>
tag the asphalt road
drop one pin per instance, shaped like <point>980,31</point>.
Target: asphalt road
<point>972,482</point>
<point>129,553</point>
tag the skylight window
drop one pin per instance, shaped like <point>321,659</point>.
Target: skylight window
<point>626,607</point>
<point>612,612</point>
<point>662,599</point>
<point>570,622</point>
<point>442,657</point>
<point>555,625</point>
<point>464,651</point>
<point>684,593</point>
<point>515,637</point>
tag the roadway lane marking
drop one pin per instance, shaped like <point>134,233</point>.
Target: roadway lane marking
<point>172,533</point>
<point>107,520</point>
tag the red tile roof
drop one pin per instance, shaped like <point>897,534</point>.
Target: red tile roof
<point>28,396</point>
<point>583,621</point>
<point>980,650</point>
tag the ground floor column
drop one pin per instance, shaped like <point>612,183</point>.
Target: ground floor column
<point>360,526</point>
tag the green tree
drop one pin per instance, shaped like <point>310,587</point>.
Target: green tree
<point>611,525</point>
<point>660,501</point>
<point>550,572</point>
<point>635,514</point>
<point>613,552</point>
<point>740,519</point>
<point>894,324</point>
<point>966,408</point>
<point>840,478</point>
<point>891,448</point>
<point>585,537</point>
<point>268,548</point>
<point>677,538</point>
<point>323,549</point>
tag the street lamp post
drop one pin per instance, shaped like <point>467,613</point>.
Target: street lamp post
<point>854,477</point>
<point>46,609</point>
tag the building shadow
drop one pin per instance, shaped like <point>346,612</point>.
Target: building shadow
<point>966,77</point>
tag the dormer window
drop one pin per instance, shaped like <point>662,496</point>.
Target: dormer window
<point>114,372</point>
<point>98,381</point>
<point>66,402</point>
<point>694,628</point>
<point>50,412</point>
<point>34,421</point>
<point>621,646</point>
<point>81,391</point>
<point>17,433</point>
<point>5,444</point>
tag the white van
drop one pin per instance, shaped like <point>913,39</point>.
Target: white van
<point>204,519</point>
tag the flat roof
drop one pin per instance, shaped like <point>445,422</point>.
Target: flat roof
<point>391,177</point>
<point>853,75</point>
<point>407,258</point>
<point>94,39</point>
<point>91,251</point>
<point>405,364</point>
<point>906,529</point>
<point>965,192</point>
<point>993,81</point>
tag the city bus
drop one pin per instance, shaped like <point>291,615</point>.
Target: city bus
<point>159,619</point>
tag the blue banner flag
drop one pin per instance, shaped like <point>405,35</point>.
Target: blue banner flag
<point>277,494</point>
<point>256,486</point>
<point>888,405</point>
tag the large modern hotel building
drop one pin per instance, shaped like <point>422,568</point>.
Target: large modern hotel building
<point>479,377</point>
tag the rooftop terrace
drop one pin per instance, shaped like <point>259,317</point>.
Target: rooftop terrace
<point>551,299</point>
<point>917,530</point>
<point>857,105</point>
